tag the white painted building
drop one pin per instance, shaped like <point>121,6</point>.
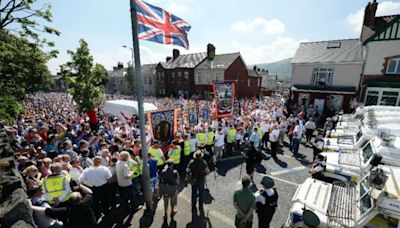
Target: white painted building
<point>380,83</point>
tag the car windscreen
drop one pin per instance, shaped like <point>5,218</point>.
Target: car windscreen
<point>367,152</point>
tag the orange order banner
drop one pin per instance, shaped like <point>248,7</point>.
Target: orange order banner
<point>163,125</point>
<point>224,98</point>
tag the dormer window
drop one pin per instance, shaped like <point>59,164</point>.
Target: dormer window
<point>333,44</point>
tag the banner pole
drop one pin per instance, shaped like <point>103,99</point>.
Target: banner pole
<point>138,73</point>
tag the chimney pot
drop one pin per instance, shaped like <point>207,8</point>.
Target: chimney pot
<point>369,14</point>
<point>168,58</point>
<point>210,51</point>
<point>175,54</point>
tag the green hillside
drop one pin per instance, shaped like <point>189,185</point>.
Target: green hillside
<point>282,68</point>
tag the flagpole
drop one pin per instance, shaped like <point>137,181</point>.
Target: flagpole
<point>138,73</point>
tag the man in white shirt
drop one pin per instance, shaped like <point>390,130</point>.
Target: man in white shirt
<point>219,144</point>
<point>97,177</point>
<point>124,179</point>
<point>273,138</point>
<point>310,127</point>
<point>297,134</point>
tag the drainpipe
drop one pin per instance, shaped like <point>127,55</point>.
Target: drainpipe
<point>361,84</point>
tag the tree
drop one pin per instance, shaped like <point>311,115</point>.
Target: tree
<point>130,79</point>
<point>84,80</point>
<point>23,68</point>
<point>21,17</point>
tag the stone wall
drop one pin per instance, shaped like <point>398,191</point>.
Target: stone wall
<point>15,210</point>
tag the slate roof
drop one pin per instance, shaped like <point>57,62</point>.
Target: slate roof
<point>220,61</point>
<point>379,24</point>
<point>185,61</point>
<point>350,50</point>
<point>253,73</point>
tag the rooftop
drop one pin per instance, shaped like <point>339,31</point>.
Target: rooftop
<point>220,61</point>
<point>332,51</point>
<point>184,61</point>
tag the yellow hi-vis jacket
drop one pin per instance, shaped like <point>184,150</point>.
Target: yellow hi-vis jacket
<point>186,147</point>
<point>231,135</point>
<point>55,186</point>
<point>175,154</point>
<point>260,132</point>
<point>210,138</point>
<point>202,138</point>
<point>137,169</point>
<point>154,152</point>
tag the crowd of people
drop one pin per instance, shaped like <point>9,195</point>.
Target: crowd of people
<point>77,171</point>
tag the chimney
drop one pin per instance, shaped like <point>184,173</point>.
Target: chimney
<point>210,51</point>
<point>369,14</point>
<point>168,58</point>
<point>120,65</point>
<point>175,54</point>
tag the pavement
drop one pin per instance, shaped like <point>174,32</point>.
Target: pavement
<point>287,171</point>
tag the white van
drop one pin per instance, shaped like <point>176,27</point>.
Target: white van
<point>128,107</point>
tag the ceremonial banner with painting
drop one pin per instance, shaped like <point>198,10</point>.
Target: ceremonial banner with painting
<point>205,114</point>
<point>193,116</point>
<point>224,96</point>
<point>163,124</point>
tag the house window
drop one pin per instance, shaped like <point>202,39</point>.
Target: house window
<point>179,75</point>
<point>382,96</point>
<point>198,78</point>
<point>248,82</point>
<point>322,76</point>
<point>218,76</point>
<point>259,82</point>
<point>206,78</point>
<point>186,75</point>
<point>393,66</point>
<point>150,81</point>
<point>173,75</point>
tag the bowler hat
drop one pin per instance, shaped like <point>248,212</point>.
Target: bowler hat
<point>268,182</point>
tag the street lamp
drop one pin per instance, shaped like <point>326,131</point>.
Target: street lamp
<point>132,53</point>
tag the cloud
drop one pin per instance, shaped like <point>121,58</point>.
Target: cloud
<point>270,27</point>
<point>384,8</point>
<point>280,48</point>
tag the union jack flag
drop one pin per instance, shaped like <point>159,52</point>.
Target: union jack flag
<point>157,25</point>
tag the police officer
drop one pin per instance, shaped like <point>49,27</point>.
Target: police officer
<point>267,201</point>
<point>56,186</point>
<point>318,145</point>
<point>318,167</point>
<point>310,219</point>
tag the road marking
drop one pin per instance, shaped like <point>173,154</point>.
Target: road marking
<point>285,181</point>
<point>230,158</point>
<point>211,212</point>
<point>288,170</point>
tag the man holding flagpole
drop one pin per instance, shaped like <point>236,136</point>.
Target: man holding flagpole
<point>153,24</point>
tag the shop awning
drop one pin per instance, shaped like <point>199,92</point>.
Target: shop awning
<point>324,89</point>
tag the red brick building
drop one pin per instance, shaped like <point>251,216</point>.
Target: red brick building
<point>193,74</point>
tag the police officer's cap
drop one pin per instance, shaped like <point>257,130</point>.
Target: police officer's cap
<point>310,219</point>
<point>268,182</point>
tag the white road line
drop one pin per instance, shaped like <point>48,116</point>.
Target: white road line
<point>288,170</point>
<point>285,181</point>
<point>184,195</point>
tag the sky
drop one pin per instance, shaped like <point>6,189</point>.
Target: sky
<point>261,30</point>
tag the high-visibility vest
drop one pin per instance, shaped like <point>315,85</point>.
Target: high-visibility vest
<point>202,138</point>
<point>154,153</point>
<point>176,155</point>
<point>54,186</point>
<point>260,132</point>
<point>210,138</point>
<point>137,169</point>
<point>231,135</point>
<point>186,147</point>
